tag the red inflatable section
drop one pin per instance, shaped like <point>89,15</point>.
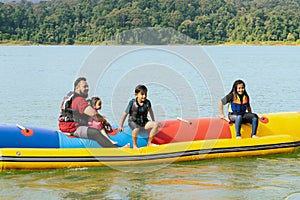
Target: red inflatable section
<point>264,120</point>
<point>200,129</point>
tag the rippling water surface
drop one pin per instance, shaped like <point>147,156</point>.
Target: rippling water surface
<point>34,80</point>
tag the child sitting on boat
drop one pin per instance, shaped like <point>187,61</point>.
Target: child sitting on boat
<point>138,110</point>
<point>96,103</point>
<point>239,104</point>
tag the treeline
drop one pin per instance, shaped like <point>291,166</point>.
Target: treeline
<point>129,21</point>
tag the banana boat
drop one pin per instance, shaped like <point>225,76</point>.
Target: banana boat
<point>33,148</point>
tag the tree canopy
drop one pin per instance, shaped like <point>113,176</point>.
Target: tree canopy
<point>137,21</point>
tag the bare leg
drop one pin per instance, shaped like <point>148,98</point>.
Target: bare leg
<point>135,133</point>
<point>95,134</point>
<point>105,134</point>
<point>153,126</point>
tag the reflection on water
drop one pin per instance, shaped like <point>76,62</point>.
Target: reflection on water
<point>275,177</point>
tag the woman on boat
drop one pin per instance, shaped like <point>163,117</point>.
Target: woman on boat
<point>239,108</point>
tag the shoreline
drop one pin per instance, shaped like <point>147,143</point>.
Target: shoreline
<point>111,43</point>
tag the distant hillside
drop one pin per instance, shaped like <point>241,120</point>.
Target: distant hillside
<point>6,1</point>
<point>150,21</point>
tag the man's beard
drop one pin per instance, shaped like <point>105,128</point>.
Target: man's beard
<point>84,95</point>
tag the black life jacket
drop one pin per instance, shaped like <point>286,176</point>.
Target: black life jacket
<point>71,115</point>
<point>139,114</point>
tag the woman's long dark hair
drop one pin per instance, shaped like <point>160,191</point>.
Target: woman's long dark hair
<point>234,87</point>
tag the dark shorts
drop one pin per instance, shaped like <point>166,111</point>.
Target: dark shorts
<point>247,117</point>
<point>81,132</point>
<point>134,125</point>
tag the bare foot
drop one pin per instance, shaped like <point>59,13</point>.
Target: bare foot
<point>126,145</point>
<point>152,144</point>
<point>114,142</point>
<point>135,147</point>
<point>238,137</point>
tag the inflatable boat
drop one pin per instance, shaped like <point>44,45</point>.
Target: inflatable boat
<point>31,148</point>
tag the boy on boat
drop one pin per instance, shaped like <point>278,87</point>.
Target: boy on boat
<point>138,110</point>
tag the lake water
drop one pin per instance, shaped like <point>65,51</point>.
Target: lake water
<point>181,82</point>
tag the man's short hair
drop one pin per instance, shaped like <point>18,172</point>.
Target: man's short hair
<point>78,80</point>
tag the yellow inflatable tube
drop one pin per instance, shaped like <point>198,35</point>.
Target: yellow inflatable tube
<point>280,133</point>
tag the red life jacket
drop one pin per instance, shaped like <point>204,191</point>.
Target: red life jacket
<point>66,122</point>
<point>69,118</point>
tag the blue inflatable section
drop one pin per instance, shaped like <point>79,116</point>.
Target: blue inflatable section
<point>122,138</point>
<point>71,142</point>
<point>12,137</point>
<point>125,137</point>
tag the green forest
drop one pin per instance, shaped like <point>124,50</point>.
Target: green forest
<point>68,22</point>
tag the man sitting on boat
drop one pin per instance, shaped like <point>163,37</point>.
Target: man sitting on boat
<point>76,113</point>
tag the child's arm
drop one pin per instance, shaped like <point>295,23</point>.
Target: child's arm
<point>221,110</point>
<point>120,128</point>
<point>225,100</point>
<point>100,118</point>
<point>151,114</point>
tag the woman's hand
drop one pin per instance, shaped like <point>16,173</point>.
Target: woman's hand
<point>222,116</point>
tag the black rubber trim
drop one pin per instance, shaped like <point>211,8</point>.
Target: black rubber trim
<point>148,157</point>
